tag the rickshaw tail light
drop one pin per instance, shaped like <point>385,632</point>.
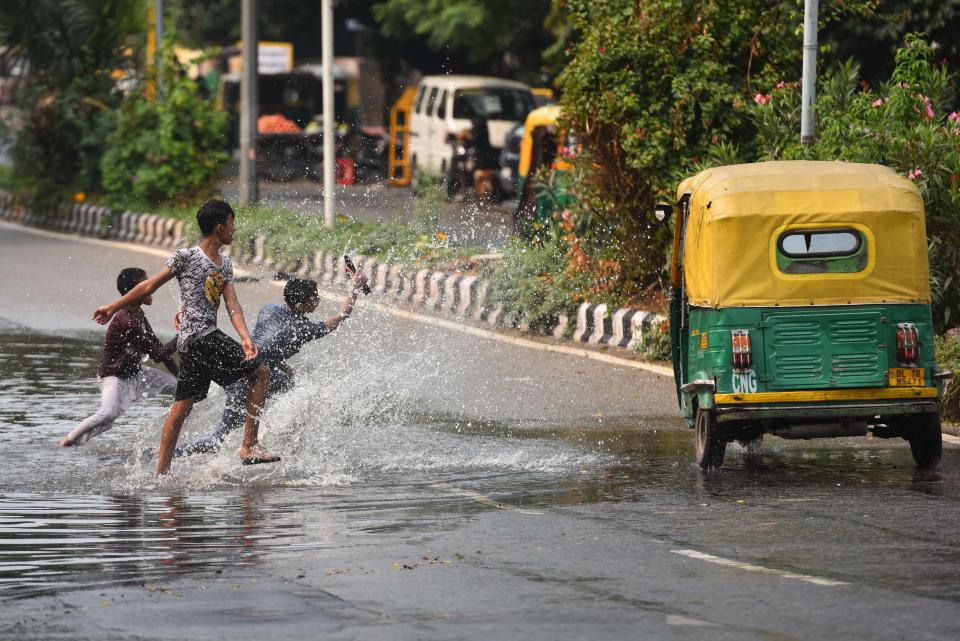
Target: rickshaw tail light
<point>742,359</point>
<point>908,343</point>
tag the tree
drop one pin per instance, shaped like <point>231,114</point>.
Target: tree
<point>167,149</point>
<point>502,36</point>
<point>652,88</point>
<point>872,40</point>
<point>904,124</point>
<point>73,49</point>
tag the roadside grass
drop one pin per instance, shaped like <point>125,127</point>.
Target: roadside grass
<point>291,235</point>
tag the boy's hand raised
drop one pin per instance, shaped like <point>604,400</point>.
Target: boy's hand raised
<point>360,283</point>
<point>103,314</point>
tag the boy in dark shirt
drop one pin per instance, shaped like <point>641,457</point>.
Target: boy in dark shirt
<point>280,333</point>
<point>122,379</point>
<point>206,353</point>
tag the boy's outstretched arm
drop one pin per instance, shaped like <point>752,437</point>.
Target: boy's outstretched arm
<point>239,323</point>
<point>346,306</point>
<point>103,314</point>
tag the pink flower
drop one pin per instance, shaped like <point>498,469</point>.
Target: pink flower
<point>761,99</point>
<point>601,50</point>
<point>565,215</point>
<point>877,103</point>
<point>781,84</point>
<point>926,103</point>
<point>954,117</point>
<point>914,174</point>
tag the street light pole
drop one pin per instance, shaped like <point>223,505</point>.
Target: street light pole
<point>326,20</point>
<point>249,97</point>
<point>809,81</point>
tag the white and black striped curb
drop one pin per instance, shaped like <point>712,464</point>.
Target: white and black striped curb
<point>97,221</point>
<point>458,295</point>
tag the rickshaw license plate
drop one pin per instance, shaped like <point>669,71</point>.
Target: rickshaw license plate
<point>906,376</point>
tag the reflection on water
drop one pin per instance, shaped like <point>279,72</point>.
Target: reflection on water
<point>364,462</point>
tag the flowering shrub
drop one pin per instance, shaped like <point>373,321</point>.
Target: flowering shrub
<point>650,89</point>
<point>902,124</point>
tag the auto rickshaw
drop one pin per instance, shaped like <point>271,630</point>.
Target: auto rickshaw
<point>800,307</point>
<point>542,145</point>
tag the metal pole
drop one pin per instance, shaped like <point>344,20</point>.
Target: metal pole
<point>809,89</point>
<point>249,97</point>
<point>158,26</point>
<point>326,18</point>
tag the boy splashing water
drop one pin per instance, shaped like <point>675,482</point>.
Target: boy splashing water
<point>206,353</point>
<point>122,379</point>
<point>280,333</point>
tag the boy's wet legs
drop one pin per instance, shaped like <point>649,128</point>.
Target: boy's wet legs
<point>171,432</point>
<point>250,448</point>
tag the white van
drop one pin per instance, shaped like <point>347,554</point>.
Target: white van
<point>438,111</point>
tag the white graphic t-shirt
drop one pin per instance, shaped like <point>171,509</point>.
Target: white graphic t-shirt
<point>201,286</point>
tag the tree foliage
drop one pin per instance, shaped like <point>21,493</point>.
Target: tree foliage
<point>165,149</point>
<point>502,34</point>
<point>653,88</point>
<point>904,124</point>
<point>72,48</point>
<point>872,40</point>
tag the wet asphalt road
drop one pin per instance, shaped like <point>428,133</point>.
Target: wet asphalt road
<point>544,497</point>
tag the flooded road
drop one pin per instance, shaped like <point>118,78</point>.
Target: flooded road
<point>437,485</point>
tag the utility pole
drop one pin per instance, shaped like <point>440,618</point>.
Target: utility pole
<point>249,98</point>
<point>329,160</point>
<point>809,87</point>
<point>158,26</point>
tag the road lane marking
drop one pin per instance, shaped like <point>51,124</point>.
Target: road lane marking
<point>676,619</point>
<point>480,498</point>
<point>749,567</point>
<point>393,311</point>
<point>950,438</point>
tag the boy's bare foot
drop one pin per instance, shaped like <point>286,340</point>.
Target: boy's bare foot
<point>65,442</point>
<point>256,455</point>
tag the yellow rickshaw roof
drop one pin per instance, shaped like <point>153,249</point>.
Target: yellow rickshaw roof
<point>738,214</point>
<point>539,117</point>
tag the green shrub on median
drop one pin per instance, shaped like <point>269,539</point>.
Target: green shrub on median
<point>534,284</point>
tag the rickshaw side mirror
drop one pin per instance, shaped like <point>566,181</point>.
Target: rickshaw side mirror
<point>662,212</point>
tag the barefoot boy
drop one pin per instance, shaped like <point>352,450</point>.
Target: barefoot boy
<point>281,331</point>
<point>122,379</point>
<point>206,353</point>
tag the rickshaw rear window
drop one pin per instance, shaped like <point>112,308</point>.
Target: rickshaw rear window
<point>813,251</point>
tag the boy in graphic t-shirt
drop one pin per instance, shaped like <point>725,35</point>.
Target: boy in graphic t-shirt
<point>206,353</point>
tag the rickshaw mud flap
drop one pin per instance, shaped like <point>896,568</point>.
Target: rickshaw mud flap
<point>807,412</point>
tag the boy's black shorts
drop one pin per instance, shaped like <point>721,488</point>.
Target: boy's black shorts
<point>215,357</point>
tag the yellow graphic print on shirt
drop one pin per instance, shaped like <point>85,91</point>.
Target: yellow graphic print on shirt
<point>213,288</point>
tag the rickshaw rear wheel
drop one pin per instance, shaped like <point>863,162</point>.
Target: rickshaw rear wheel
<point>926,440</point>
<point>710,440</point>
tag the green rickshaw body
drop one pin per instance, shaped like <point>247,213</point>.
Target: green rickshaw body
<point>800,306</point>
<point>542,147</point>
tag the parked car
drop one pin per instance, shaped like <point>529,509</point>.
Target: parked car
<point>441,110</point>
